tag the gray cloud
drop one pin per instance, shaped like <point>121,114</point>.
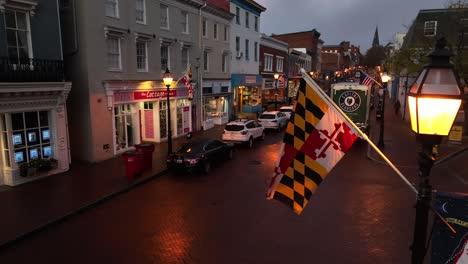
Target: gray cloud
<point>338,20</point>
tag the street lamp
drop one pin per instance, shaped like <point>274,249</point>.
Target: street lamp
<point>385,78</point>
<point>434,100</point>
<point>276,76</point>
<point>167,78</point>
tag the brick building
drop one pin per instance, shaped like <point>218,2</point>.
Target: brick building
<point>310,40</point>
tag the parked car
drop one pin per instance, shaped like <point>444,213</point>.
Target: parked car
<point>273,120</point>
<point>200,154</point>
<point>287,110</point>
<point>243,131</point>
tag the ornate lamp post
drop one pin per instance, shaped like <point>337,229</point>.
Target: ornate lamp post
<point>434,100</point>
<point>385,78</point>
<point>167,78</point>
<point>276,76</point>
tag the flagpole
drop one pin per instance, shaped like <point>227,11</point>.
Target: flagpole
<point>325,97</point>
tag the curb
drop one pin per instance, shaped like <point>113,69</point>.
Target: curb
<point>451,155</point>
<point>80,210</point>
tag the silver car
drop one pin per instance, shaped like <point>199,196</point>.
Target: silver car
<point>273,120</point>
<point>243,131</point>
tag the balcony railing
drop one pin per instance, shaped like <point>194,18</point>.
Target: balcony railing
<point>31,70</point>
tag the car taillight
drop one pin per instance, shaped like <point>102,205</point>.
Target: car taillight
<point>192,161</point>
<point>244,132</point>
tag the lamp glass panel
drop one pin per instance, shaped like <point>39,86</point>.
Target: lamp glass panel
<point>412,112</point>
<point>436,115</point>
<point>417,83</point>
<point>440,81</point>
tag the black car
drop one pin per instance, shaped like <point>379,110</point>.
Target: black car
<point>200,153</point>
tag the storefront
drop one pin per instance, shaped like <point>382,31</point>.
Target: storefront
<point>217,97</point>
<point>142,115</point>
<point>247,94</point>
<point>34,133</point>
<point>273,91</point>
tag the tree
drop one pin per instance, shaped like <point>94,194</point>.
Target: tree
<point>375,56</point>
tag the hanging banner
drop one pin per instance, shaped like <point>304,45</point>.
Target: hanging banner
<point>448,247</point>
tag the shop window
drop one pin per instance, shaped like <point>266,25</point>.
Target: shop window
<point>224,89</point>
<point>215,106</point>
<point>148,105</point>
<point>125,126</point>
<point>30,137</point>
<point>163,119</point>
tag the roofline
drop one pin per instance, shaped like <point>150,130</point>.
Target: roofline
<point>291,33</point>
<point>257,5</point>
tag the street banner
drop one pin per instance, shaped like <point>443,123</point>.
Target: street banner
<point>447,247</point>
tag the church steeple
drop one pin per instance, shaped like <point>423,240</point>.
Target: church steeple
<point>375,42</point>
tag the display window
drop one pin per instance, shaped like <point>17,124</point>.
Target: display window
<point>25,136</point>
<point>126,124</point>
<point>215,106</point>
<point>250,100</point>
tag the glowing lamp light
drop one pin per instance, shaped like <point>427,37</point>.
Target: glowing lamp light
<point>385,77</point>
<point>276,76</point>
<point>167,78</point>
<point>435,98</point>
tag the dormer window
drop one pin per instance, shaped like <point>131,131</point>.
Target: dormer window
<point>430,28</point>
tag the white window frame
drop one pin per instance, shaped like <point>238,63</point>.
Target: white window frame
<point>164,9</point>
<point>247,24</point>
<point>16,29</point>
<point>247,44</point>
<point>215,31</point>
<point>226,33</point>
<point>206,60</point>
<point>256,19</point>
<point>279,66</point>
<point>268,62</point>
<point>255,51</point>
<point>185,22</point>
<point>238,15</point>
<point>109,53</point>
<point>185,60</point>
<point>145,55</point>
<point>163,69</point>
<point>224,62</point>
<point>427,28</point>
<point>115,6</point>
<point>204,28</point>
<point>143,11</point>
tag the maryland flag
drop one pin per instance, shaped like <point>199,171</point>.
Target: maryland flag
<point>316,138</point>
<point>187,79</point>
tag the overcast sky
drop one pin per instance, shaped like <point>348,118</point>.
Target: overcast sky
<point>339,20</point>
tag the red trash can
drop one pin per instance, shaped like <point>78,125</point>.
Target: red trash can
<point>147,150</point>
<point>133,163</point>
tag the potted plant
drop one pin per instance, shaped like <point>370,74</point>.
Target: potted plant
<point>37,165</point>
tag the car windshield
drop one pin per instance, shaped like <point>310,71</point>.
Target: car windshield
<point>190,148</point>
<point>234,127</point>
<point>267,116</point>
<point>286,110</point>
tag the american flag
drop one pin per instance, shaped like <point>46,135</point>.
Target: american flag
<point>366,79</point>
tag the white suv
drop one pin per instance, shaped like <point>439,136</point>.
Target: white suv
<point>243,131</point>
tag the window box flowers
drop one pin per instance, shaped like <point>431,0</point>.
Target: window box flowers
<point>36,166</point>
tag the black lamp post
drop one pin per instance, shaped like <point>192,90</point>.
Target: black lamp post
<point>433,100</point>
<point>276,76</point>
<point>167,78</point>
<point>385,78</point>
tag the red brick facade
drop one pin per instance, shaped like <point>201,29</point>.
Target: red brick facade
<point>274,52</point>
<point>306,39</point>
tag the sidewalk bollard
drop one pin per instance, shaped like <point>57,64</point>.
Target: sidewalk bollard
<point>133,163</point>
<point>147,150</point>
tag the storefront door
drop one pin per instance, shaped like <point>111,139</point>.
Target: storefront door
<point>126,126</point>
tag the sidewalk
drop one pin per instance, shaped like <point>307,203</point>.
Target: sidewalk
<point>33,206</point>
<point>400,142</point>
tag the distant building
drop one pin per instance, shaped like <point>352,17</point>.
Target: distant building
<point>349,56</point>
<point>375,41</point>
<point>298,58</point>
<point>245,42</point>
<point>398,40</point>
<point>273,60</point>
<point>310,40</point>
